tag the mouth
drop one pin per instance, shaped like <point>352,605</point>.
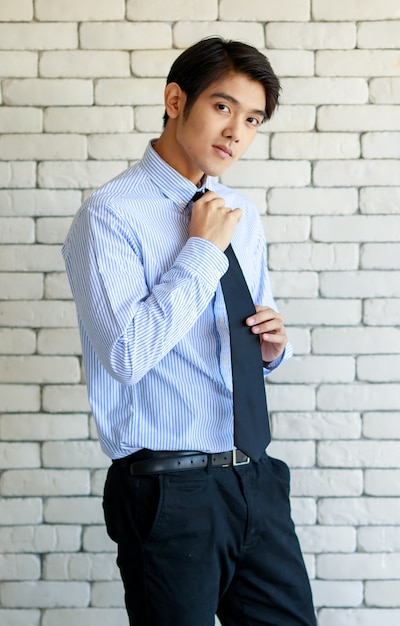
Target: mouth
<point>223,151</point>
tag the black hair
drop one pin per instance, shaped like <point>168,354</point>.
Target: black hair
<point>213,58</point>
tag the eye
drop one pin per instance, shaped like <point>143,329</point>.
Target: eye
<point>222,107</point>
<point>254,121</point>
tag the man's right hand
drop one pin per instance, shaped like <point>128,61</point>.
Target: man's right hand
<point>213,221</point>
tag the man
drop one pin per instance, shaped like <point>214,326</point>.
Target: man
<point>202,527</point>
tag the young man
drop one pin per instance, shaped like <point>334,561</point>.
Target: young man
<point>202,528</point>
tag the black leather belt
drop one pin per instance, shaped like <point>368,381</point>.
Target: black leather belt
<point>156,462</point>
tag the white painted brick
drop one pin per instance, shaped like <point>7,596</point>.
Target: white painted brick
<point>42,147</point>
<point>364,284</point>
<point>43,482</point>
<point>16,286</point>
<point>35,36</point>
<point>319,539</point>
<point>152,63</point>
<point>291,62</point>
<point>292,118</point>
<point>358,453</point>
<point>315,369</point>
<point>381,145</point>
<point>316,425</point>
<point>266,11</point>
<point>315,146</point>
<point>17,174</point>
<point>129,91</point>
<point>42,594</point>
<point>98,478</point>
<point>88,119</point>
<point>294,284</point>
<point>89,617</point>
<point>16,11</point>
<point>291,398</point>
<point>14,455</point>
<point>34,258</point>
<point>51,230</point>
<point>44,538</point>
<point>58,341</point>
<point>344,10</point>
<point>312,201</point>
<point>95,539</point>
<point>79,10</point>
<point>359,228</point>
<point>381,312</point>
<point>282,229</point>
<point>364,617</point>
<point>19,567</point>
<point>384,90</point>
<point>379,368</point>
<point>369,117</point>
<point>107,594</point>
<point>326,482</point>
<point>362,173</point>
<point>56,287</point>
<point>65,398</point>
<point>380,200</point>
<point>122,146</point>
<point>382,482</point>
<point>73,510</point>
<point>358,566</point>
<point>304,510</point>
<point>81,566</point>
<point>84,64</point>
<point>259,148</point>
<point>48,92</point>
<point>294,453</point>
<point>73,454</point>
<point>382,593</point>
<point>271,173</point>
<point>320,311</point>
<point>312,256</point>
<point>324,90</point>
<point>334,593</point>
<point>38,202</point>
<point>378,34</point>
<point>16,511</point>
<point>17,341</point>
<point>381,425</point>
<point>39,369</point>
<point>355,340</point>
<point>187,33</point>
<point>16,230</point>
<point>362,397</point>
<point>300,339</point>
<point>311,36</point>
<point>379,538</point>
<point>125,35</point>
<point>380,256</point>
<point>43,427</point>
<point>175,10</point>
<point>15,64</point>
<point>16,398</point>
<point>148,119</point>
<point>17,120</point>
<point>78,174</point>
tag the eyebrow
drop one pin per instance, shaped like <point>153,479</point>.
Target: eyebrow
<point>226,96</point>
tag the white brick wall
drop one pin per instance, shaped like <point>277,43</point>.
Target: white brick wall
<point>81,87</point>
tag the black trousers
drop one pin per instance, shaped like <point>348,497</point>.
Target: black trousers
<point>197,543</point>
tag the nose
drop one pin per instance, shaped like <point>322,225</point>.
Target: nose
<point>232,130</point>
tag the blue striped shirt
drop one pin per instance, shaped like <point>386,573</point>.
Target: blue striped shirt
<point>151,314</point>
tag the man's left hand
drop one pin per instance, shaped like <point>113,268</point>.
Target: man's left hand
<point>268,324</point>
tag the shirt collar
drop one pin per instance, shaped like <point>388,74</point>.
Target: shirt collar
<point>172,184</point>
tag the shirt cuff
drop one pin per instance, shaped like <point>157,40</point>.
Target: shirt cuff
<point>272,365</point>
<point>205,259</point>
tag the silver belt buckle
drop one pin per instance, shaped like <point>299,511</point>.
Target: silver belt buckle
<point>245,460</point>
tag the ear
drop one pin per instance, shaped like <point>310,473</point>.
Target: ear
<point>174,99</point>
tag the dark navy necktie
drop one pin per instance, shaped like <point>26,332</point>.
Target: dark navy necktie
<point>251,425</point>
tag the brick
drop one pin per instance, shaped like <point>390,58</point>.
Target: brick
<point>379,368</point>
<point>84,64</point>
<point>363,173</point>
<point>11,11</point>
<point>326,482</point>
<point>31,258</point>
<point>382,482</point>
<point>275,173</point>
<point>39,369</point>
<point>87,616</point>
<point>359,228</point>
<point>129,146</point>
<point>291,63</point>
<point>324,90</point>
<point>40,202</point>
<point>315,369</point>
<point>120,91</point>
<point>291,398</point>
<point>265,11</point>
<point>17,341</point>
<point>98,480</point>
<point>382,312</point>
<point>80,10</point>
<point>17,120</point>
<point>154,63</point>
<point>43,538</point>
<point>65,398</point>
<point>356,566</point>
<point>312,201</point>
<point>316,425</point>
<point>310,312</point>
<point>361,397</point>
<point>336,593</point>
<point>88,119</point>
<point>384,90</point>
<point>356,511</point>
<point>292,118</point>
<point>363,284</point>
<point>366,617</point>
<point>73,510</point>
<point>175,10</point>
<point>95,539</point>
<point>16,286</point>
<point>358,454</point>
<point>304,510</point>
<point>311,36</point>
<point>48,92</point>
<point>301,340</point>
<point>19,455</point>
<point>125,35</point>
<point>355,340</point>
<point>44,482</point>
<point>51,230</point>
<point>381,425</point>
<point>43,147</point>
<point>19,567</point>
<point>295,454</point>
<point>294,284</point>
<point>382,593</point>
<point>81,566</point>
<point>17,175</point>
<point>368,117</point>
<point>380,200</point>
<point>380,256</point>
<point>381,145</point>
<point>78,174</point>
<point>187,33</point>
<point>281,229</point>
<point>106,594</point>
<point>15,511</point>
<point>312,256</point>
<point>378,34</point>
<point>15,64</point>
<point>43,427</point>
<point>35,36</point>
<point>58,341</point>
<point>52,314</point>
<point>259,148</point>
<point>148,119</point>
<point>357,63</point>
<point>73,454</point>
<point>319,539</point>
<point>56,287</point>
<point>16,398</point>
<point>16,230</point>
<point>379,539</point>
<point>43,594</point>
<point>344,10</point>
<point>315,146</point>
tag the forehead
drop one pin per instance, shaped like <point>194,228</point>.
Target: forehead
<point>247,93</point>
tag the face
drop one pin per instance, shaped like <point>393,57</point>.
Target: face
<point>218,129</point>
